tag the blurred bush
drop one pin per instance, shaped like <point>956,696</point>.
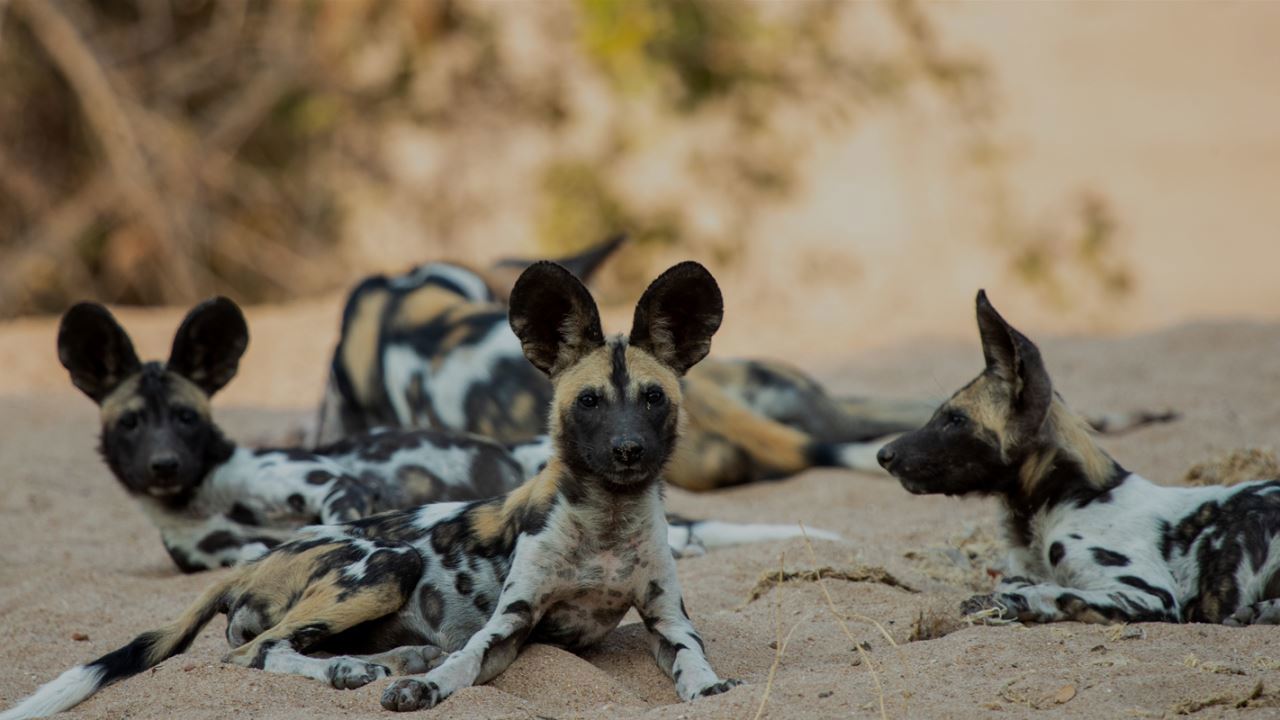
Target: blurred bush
<point>156,151</point>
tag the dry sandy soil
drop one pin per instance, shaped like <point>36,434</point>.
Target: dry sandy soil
<point>79,558</point>
<point>1165,110</point>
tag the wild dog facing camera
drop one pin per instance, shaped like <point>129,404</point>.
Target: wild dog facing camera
<point>615,414</point>
<point>978,440</point>
<point>157,434</point>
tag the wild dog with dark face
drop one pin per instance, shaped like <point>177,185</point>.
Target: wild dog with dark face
<point>1090,540</point>
<point>217,504</point>
<point>432,348</point>
<point>560,559</point>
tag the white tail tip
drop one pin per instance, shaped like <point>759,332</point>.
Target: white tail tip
<point>68,690</point>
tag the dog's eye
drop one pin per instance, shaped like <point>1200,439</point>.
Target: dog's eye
<point>129,420</point>
<point>588,399</point>
<point>186,415</point>
<point>653,397</point>
<point>956,420</point>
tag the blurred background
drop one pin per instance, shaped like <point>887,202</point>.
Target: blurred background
<point>852,172</point>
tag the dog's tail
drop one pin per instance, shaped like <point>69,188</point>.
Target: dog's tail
<point>721,429</point>
<point>694,537</point>
<point>145,651</point>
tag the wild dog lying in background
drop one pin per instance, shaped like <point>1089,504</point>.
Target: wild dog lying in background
<point>560,559</point>
<point>432,348</point>
<point>1091,541</point>
<point>217,504</point>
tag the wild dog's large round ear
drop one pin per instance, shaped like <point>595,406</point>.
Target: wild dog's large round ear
<point>554,316</point>
<point>209,343</point>
<point>95,349</point>
<point>503,273</point>
<point>677,316</point>
<point>1011,356</point>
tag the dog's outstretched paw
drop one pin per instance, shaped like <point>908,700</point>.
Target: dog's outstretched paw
<point>349,673</point>
<point>987,607</point>
<point>407,694</point>
<point>718,687</point>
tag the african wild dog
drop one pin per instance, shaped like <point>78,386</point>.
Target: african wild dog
<point>1090,540</point>
<point>217,504</point>
<point>432,348</point>
<point>560,559</point>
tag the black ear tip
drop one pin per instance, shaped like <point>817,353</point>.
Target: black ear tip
<point>543,271</point>
<point>83,315</point>
<point>222,308</point>
<point>692,270</point>
<point>982,298</point>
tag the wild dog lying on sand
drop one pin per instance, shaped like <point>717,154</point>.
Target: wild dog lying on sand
<point>432,348</point>
<point>1091,541</point>
<point>217,504</point>
<point>560,559</point>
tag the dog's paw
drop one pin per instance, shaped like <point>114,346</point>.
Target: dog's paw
<point>419,659</point>
<point>716,688</point>
<point>1266,612</point>
<point>349,673</point>
<point>989,606</point>
<point>407,694</point>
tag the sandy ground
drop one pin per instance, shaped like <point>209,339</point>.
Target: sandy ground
<point>1165,111</point>
<point>79,558</point>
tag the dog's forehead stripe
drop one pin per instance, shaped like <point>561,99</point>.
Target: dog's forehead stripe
<point>618,375</point>
<point>645,370</point>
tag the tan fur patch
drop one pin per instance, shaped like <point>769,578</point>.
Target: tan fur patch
<point>986,402</point>
<point>423,305</point>
<point>774,445</point>
<point>644,370</point>
<point>592,371</point>
<point>492,521</point>
<point>123,399</point>
<point>360,342</point>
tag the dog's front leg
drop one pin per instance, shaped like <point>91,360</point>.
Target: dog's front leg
<point>677,647</point>
<point>1124,599</point>
<point>487,653</point>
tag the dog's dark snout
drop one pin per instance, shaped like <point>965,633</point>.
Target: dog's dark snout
<point>886,456</point>
<point>164,466</point>
<point>627,450</point>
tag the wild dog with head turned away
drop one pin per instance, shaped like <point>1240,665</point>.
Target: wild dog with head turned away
<point>1090,540</point>
<point>432,348</point>
<point>560,559</point>
<point>219,504</point>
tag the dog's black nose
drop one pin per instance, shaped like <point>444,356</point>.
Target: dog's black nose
<point>885,456</point>
<point>627,451</point>
<point>164,467</point>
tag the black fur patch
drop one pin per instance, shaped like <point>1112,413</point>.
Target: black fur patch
<point>320,477</point>
<point>431,604</point>
<point>1164,596</point>
<point>242,515</point>
<point>1056,552</point>
<point>1109,558</point>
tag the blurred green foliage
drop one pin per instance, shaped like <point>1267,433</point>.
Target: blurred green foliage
<point>156,151</point>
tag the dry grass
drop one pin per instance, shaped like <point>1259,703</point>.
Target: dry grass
<point>965,560</point>
<point>1235,466</point>
<point>780,642</point>
<point>938,619</point>
<point>1256,698</point>
<point>858,573</point>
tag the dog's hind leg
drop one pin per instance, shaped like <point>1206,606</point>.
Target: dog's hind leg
<point>408,660</point>
<point>347,592</point>
<point>1264,612</point>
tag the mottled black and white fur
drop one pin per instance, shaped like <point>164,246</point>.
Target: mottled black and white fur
<point>560,559</point>
<point>1090,540</point>
<point>218,504</point>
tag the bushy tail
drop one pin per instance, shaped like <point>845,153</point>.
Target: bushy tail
<point>147,650</point>
<point>694,537</point>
